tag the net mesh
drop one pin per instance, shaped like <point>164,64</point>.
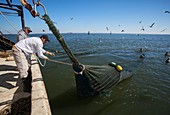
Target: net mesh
<point>96,79</point>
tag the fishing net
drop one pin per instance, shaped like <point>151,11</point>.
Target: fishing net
<point>90,79</point>
<point>96,79</point>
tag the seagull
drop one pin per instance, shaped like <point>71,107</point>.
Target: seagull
<point>143,29</point>
<point>151,25</point>
<point>167,54</point>
<point>123,31</point>
<point>168,60</point>
<point>167,11</point>
<point>71,18</point>
<point>163,30</point>
<point>107,28</point>
<point>142,56</point>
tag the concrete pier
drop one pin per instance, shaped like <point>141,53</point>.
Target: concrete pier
<point>12,97</point>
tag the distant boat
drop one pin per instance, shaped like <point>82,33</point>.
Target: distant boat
<point>88,33</point>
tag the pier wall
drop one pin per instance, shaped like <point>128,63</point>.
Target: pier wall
<point>12,97</point>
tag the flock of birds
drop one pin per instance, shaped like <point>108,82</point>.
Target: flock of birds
<point>167,54</point>
<point>142,29</point>
<point>168,59</point>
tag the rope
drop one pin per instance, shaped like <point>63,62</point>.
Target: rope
<point>60,62</point>
<point>6,30</point>
<point>43,65</point>
<point>8,21</point>
<point>59,37</point>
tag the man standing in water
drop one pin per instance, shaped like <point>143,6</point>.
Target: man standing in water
<point>22,50</point>
<point>23,33</point>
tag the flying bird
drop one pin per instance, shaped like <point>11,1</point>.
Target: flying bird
<point>163,30</point>
<point>143,29</point>
<point>167,11</point>
<point>151,25</point>
<point>123,31</point>
<point>107,28</point>
<point>140,22</point>
<point>71,18</point>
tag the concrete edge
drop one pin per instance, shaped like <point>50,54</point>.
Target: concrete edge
<point>39,102</point>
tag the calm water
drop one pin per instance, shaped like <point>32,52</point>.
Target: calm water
<point>146,93</point>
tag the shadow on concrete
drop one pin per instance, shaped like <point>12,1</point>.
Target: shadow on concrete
<point>8,68</point>
<point>37,79</point>
<point>8,77</point>
<point>20,104</point>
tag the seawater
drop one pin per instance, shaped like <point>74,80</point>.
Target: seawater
<point>147,92</point>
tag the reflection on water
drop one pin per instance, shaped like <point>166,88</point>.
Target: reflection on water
<point>146,93</point>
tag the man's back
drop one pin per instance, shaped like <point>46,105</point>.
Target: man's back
<point>21,35</point>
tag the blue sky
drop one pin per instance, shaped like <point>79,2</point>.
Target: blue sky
<point>81,16</point>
